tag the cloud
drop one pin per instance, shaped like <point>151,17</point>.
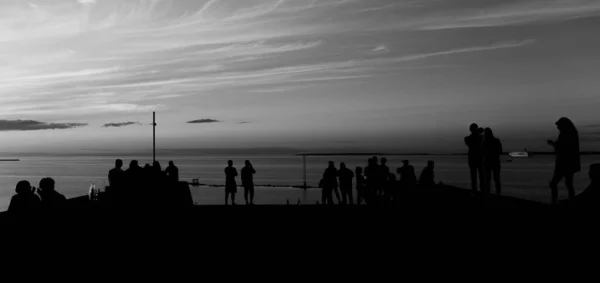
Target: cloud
<point>499,45</point>
<point>31,125</point>
<point>244,122</point>
<point>202,121</point>
<point>122,124</point>
<point>87,1</point>
<point>591,126</point>
<point>521,12</point>
<point>381,48</point>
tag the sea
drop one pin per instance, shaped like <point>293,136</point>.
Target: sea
<point>277,175</point>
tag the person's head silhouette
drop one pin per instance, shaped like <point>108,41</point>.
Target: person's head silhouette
<point>23,187</point>
<point>383,161</point>
<point>473,128</point>
<point>229,163</point>
<point>565,125</point>
<point>342,165</point>
<point>488,133</point>
<point>118,163</point>
<point>156,166</point>
<point>247,162</point>
<point>359,170</point>
<point>399,170</point>
<point>47,184</point>
<point>171,163</point>
<point>133,163</point>
<point>375,160</point>
<point>331,164</point>
<point>430,164</point>
<point>406,162</point>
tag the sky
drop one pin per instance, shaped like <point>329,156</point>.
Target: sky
<point>397,75</point>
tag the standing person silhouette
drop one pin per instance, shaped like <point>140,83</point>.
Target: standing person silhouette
<point>116,181</point>
<point>492,149</point>
<point>474,142</point>
<point>360,186</point>
<point>567,157</point>
<point>407,176</point>
<point>230,184</point>
<point>345,176</point>
<point>370,175</point>
<point>384,172</point>
<point>330,182</point>
<point>248,181</point>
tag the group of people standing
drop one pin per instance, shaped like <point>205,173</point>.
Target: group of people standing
<point>139,184</point>
<point>247,182</point>
<point>377,186</point>
<point>484,158</point>
<point>485,151</point>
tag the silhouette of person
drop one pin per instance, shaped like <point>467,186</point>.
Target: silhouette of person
<point>330,176</point>
<point>326,197</point>
<point>567,157</point>
<point>426,180</point>
<point>372,173</point>
<point>590,197</point>
<point>116,179</point>
<point>248,181</point>
<point>474,143</point>
<point>135,179</point>
<point>390,188</point>
<point>230,184</point>
<point>492,149</point>
<point>172,172</point>
<point>360,186</point>
<point>407,175</point>
<point>50,198</point>
<point>25,200</point>
<point>384,172</point>
<point>346,175</point>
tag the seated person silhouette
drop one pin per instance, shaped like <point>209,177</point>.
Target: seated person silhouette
<point>590,197</point>
<point>426,180</point>
<point>25,200</point>
<point>172,172</point>
<point>50,198</point>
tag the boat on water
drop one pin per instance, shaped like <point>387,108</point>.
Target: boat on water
<point>522,154</point>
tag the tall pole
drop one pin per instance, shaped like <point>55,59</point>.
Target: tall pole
<point>153,137</point>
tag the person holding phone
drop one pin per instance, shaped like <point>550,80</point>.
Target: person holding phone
<point>568,161</point>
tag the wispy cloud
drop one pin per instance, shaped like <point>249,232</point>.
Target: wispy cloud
<point>495,46</point>
<point>515,13</point>
<point>122,124</point>
<point>381,48</point>
<point>31,125</point>
<point>203,121</point>
<point>244,122</point>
